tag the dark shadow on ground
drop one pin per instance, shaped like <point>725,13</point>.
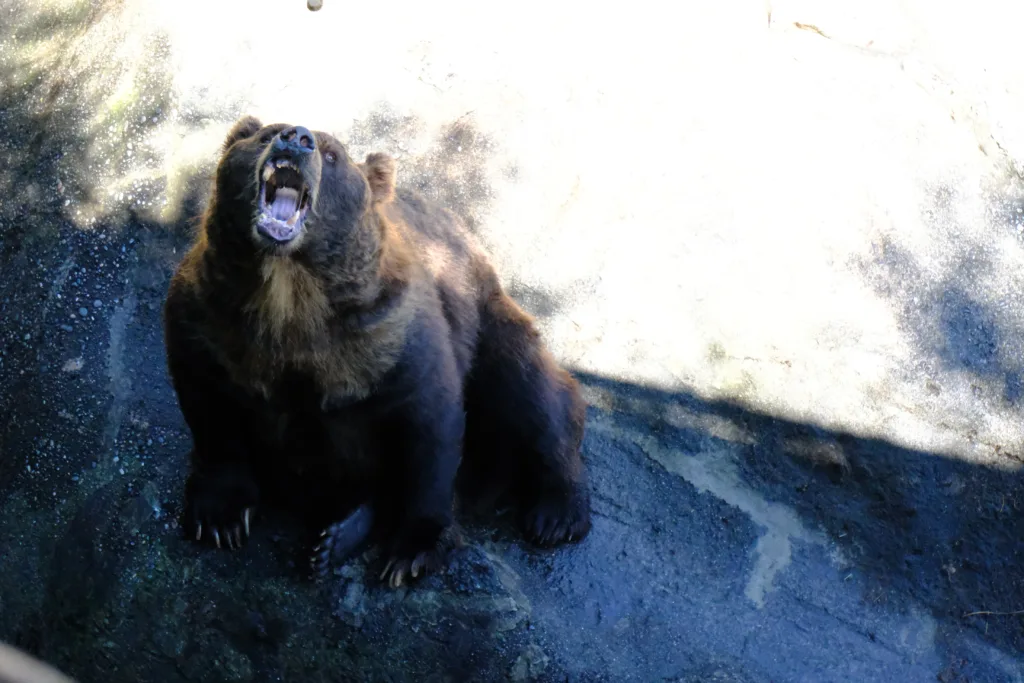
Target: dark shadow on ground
<point>935,529</point>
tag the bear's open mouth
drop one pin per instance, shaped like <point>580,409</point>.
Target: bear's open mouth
<point>284,200</point>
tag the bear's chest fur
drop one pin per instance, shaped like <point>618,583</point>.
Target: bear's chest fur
<point>292,330</point>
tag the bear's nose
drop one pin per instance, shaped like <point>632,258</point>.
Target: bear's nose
<point>297,140</point>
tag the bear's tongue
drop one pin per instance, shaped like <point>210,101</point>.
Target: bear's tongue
<point>286,203</point>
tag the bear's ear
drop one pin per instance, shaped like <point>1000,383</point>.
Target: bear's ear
<point>245,127</point>
<point>380,171</point>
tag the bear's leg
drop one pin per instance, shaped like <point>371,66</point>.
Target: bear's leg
<point>414,497</point>
<point>525,420</point>
<point>221,493</point>
<point>417,440</point>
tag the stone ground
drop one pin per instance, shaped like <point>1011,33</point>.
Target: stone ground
<point>781,246</point>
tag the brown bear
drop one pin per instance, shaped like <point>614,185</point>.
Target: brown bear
<point>328,325</point>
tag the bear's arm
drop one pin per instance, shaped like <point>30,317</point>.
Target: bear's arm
<point>215,409</point>
<point>424,437</point>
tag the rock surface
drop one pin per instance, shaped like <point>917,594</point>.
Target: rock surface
<point>781,245</point>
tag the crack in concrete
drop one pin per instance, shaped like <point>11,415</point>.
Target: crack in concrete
<point>59,280</point>
<point>120,385</point>
<point>925,637</point>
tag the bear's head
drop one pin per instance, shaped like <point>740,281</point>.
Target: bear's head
<point>283,188</point>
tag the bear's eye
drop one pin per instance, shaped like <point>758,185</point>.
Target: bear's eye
<point>330,157</point>
<point>266,137</point>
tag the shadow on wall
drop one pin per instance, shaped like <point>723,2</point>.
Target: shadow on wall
<point>942,531</point>
<point>74,121</point>
<point>948,318</point>
<point>36,114</point>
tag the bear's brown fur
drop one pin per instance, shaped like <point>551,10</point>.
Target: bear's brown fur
<point>325,323</point>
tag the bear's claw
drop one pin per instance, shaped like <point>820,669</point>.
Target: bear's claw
<point>414,555</point>
<point>232,535</point>
<point>557,518</point>
<point>220,503</point>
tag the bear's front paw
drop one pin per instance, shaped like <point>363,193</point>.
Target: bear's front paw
<point>418,549</point>
<point>558,516</point>
<point>219,505</point>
